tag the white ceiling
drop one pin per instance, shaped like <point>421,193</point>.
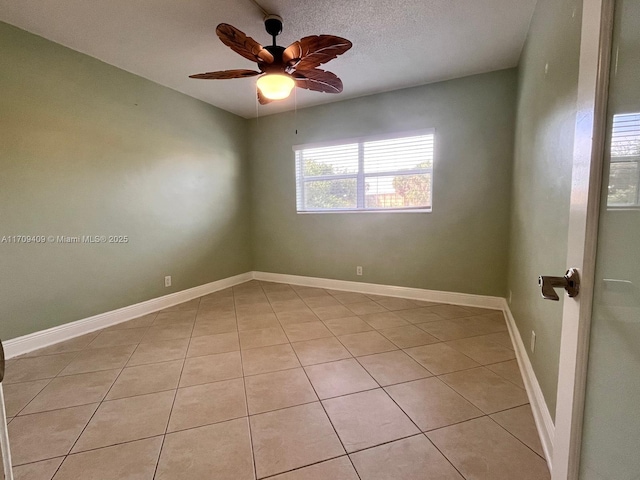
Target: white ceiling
<point>396,43</point>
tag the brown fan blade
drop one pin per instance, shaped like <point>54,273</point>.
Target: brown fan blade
<point>243,45</point>
<point>311,52</point>
<point>318,81</point>
<point>262,99</point>
<point>226,74</point>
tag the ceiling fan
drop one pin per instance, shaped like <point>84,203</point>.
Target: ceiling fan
<point>282,69</point>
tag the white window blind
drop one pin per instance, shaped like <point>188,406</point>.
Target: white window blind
<point>624,175</point>
<point>381,174</point>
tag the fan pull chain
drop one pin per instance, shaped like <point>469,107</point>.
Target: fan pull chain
<point>295,109</point>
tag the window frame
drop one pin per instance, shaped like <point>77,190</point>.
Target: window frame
<point>625,206</point>
<point>622,159</point>
<point>361,176</point>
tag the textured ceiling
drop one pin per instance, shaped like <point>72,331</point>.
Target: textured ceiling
<point>396,43</point>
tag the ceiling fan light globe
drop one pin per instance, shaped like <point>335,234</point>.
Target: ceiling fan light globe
<point>276,86</point>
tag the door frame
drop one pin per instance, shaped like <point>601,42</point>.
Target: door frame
<point>586,191</point>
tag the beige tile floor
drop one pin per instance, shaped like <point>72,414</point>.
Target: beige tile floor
<point>276,381</point>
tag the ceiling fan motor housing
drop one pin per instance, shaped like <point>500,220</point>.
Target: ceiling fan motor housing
<point>278,63</point>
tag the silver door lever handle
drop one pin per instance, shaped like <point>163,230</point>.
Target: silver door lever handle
<point>570,282</point>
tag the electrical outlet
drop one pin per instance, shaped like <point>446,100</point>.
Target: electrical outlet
<point>167,281</point>
<point>533,342</point>
<point>358,270</point>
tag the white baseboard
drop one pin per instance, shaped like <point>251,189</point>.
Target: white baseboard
<point>67,331</point>
<point>463,299</point>
<point>541,415</point>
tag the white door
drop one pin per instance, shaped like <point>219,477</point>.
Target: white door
<point>597,434</point>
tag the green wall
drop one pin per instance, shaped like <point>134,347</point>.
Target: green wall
<point>460,247</point>
<point>548,76</point>
<point>88,149</point>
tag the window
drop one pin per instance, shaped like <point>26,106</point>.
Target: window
<point>371,174</point>
<point>624,176</point>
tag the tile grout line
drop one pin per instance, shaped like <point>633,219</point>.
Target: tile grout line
<point>323,408</point>
<point>444,456</point>
<point>59,466</point>
<point>306,466</point>
<point>218,422</point>
<point>32,355</point>
<point>155,470</point>
<point>98,407</point>
<point>104,399</point>
<point>98,403</point>
<point>329,418</point>
<point>64,456</point>
<point>410,419</point>
<point>397,349</point>
<point>282,408</point>
<point>34,397</point>
<point>285,408</point>
<point>513,435</point>
<point>474,368</point>
<point>86,349</point>
<point>175,395</point>
<point>41,460</point>
<point>488,416</point>
<point>468,399</point>
<point>414,423</point>
<point>94,449</point>
<point>246,400</point>
<point>375,329</point>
